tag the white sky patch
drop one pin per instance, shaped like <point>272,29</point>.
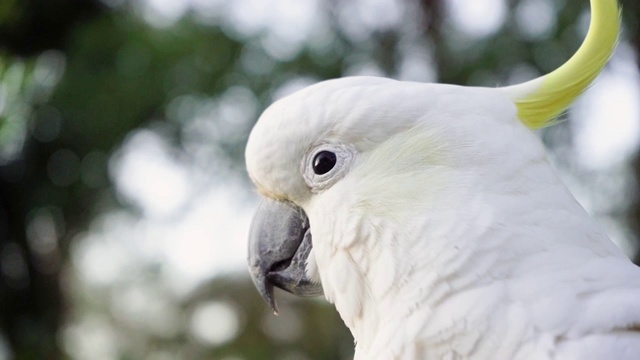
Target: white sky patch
<point>209,239</point>
<point>92,337</point>
<point>359,18</point>
<point>194,229</point>
<point>212,236</point>
<point>416,65</point>
<point>215,323</point>
<point>607,117</point>
<point>477,18</point>
<point>283,26</point>
<point>535,17</point>
<point>99,260</point>
<point>161,13</point>
<point>148,177</point>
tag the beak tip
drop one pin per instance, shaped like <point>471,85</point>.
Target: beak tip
<point>265,288</point>
<point>271,300</point>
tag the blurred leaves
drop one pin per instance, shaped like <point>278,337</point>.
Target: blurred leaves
<point>14,79</point>
<point>116,59</point>
<point>24,85</point>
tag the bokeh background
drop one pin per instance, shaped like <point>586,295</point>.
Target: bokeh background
<point>124,203</point>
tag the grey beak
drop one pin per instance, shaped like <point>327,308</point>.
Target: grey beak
<point>279,244</point>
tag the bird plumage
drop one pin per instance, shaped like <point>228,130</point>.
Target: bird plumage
<point>443,231</point>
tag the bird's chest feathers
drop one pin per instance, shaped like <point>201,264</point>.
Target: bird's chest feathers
<point>358,263</point>
<point>365,265</point>
<point>391,272</point>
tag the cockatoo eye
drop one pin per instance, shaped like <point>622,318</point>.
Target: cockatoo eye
<point>327,163</point>
<point>323,162</point>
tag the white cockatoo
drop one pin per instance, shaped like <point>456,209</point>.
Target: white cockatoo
<point>430,216</point>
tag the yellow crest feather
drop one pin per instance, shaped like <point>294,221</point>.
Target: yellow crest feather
<point>541,100</point>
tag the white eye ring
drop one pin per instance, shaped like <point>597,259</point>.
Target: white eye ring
<point>326,163</point>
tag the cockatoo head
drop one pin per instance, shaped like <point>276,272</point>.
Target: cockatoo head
<point>367,149</point>
<point>353,170</point>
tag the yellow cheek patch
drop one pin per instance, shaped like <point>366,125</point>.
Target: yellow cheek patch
<point>541,100</point>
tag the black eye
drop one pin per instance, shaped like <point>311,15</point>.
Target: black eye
<point>323,162</point>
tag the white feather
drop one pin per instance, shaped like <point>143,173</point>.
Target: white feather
<point>451,235</point>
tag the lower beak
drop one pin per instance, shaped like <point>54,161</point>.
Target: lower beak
<point>279,245</point>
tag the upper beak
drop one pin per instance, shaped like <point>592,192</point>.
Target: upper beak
<point>279,244</point>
